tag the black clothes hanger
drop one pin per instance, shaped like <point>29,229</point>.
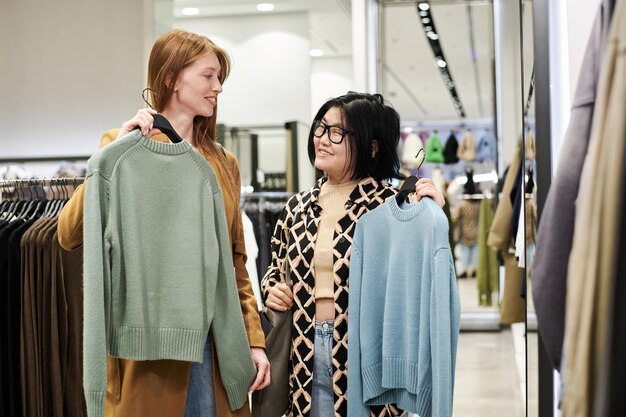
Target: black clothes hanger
<point>408,186</point>
<point>160,122</point>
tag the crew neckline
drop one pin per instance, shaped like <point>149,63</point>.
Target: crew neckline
<point>407,211</point>
<point>349,184</point>
<point>164,147</point>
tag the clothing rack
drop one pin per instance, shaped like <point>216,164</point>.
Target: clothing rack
<point>266,194</point>
<point>476,196</point>
<point>17,160</point>
<point>42,182</point>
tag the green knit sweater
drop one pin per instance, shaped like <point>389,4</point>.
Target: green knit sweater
<point>158,269</point>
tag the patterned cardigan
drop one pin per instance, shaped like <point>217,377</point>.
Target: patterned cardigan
<point>293,245</point>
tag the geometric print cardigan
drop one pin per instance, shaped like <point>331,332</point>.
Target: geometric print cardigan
<point>293,245</point>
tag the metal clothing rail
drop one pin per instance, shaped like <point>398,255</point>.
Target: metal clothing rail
<point>267,194</point>
<point>42,182</point>
<point>17,160</point>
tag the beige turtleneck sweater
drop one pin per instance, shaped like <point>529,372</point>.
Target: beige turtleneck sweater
<point>332,199</point>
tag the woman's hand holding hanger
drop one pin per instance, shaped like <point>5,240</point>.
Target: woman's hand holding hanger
<point>143,121</point>
<point>425,187</point>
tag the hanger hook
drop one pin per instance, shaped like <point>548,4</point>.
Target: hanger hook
<point>143,96</point>
<point>421,150</point>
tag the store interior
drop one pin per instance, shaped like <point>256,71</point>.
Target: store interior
<point>459,72</point>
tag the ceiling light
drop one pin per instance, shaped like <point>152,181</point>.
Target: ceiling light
<point>190,11</point>
<point>407,130</point>
<point>316,52</point>
<point>425,20</point>
<point>433,36</point>
<point>428,28</point>
<point>441,63</point>
<point>424,6</point>
<point>265,7</point>
<point>423,13</point>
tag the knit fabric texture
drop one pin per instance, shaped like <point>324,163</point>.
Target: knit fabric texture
<point>332,200</point>
<point>158,270</point>
<point>404,315</point>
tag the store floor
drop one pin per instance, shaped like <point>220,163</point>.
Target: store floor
<point>491,374</point>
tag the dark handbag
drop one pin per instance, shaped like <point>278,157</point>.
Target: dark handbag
<point>273,400</point>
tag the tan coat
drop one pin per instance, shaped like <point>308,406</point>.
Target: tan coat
<point>513,307</point>
<point>149,388</point>
<point>592,262</point>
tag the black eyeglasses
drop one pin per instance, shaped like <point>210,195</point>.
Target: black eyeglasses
<point>335,133</point>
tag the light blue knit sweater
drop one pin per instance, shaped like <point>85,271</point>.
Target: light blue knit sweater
<point>403,320</point>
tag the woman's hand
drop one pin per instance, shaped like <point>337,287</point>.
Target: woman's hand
<point>426,188</point>
<point>280,297</point>
<point>262,370</point>
<point>142,120</point>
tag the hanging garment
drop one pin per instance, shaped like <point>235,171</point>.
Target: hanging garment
<point>487,149</point>
<point>118,318</point>
<point>451,149</point>
<point>513,306</point>
<point>595,249</point>
<point>487,273</point>
<point>610,400</point>
<point>530,149</point>
<point>439,180</point>
<point>10,236</point>
<point>40,327</point>
<point>403,285</point>
<point>434,149</point>
<point>252,249</point>
<point>555,234</point>
<point>500,232</point>
<point>412,144</point>
<point>467,148</point>
<point>528,224</point>
<point>293,248</point>
<point>31,357</point>
<point>465,217</point>
<point>160,386</point>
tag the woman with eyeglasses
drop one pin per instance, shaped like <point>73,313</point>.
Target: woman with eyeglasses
<point>353,140</point>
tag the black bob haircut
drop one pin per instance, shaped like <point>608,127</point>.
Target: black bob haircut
<point>370,119</point>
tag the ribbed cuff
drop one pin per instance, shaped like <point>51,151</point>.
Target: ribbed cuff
<point>237,393</point>
<point>95,403</point>
<point>372,381</point>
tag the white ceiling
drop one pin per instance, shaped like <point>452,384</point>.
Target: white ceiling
<point>411,79</point>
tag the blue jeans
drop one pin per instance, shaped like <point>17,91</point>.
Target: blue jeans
<point>323,402</point>
<point>469,256</point>
<point>200,395</point>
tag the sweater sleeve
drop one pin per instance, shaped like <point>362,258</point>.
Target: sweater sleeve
<point>227,325</point>
<point>70,226</point>
<point>96,287</point>
<point>356,405</point>
<point>444,330</point>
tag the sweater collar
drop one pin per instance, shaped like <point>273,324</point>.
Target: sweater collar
<point>362,194</point>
